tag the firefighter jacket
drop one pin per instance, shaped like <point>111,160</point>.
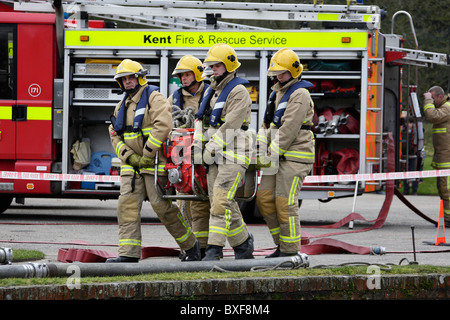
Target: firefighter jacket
<point>189,100</point>
<point>439,116</point>
<point>229,140</point>
<point>292,139</point>
<point>156,126</point>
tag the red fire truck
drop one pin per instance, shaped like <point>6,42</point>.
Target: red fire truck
<point>57,90</point>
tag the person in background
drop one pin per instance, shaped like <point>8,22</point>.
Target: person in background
<point>186,101</point>
<point>437,111</point>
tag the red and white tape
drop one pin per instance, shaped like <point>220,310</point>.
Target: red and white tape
<point>309,179</point>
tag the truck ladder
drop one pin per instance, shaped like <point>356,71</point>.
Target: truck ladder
<point>374,119</point>
<point>370,15</point>
<point>416,57</point>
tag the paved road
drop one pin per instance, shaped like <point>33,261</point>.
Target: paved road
<point>49,225</point>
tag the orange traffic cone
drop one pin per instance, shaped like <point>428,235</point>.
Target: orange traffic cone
<point>440,236</point>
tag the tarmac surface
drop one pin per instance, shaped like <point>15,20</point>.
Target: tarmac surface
<point>49,225</point>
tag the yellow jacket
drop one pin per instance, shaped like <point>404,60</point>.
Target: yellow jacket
<point>439,116</point>
<point>156,126</point>
<point>230,141</point>
<point>290,141</point>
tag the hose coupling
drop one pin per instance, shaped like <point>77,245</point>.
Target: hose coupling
<point>6,255</point>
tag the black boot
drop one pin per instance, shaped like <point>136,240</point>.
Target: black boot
<point>245,249</point>
<point>202,252</point>
<point>213,252</point>
<point>193,254</point>
<point>274,254</point>
<point>122,259</point>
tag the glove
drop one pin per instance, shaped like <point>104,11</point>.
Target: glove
<point>262,162</point>
<point>208,157</point>
<point>133,160</point>
<point>146,162</point>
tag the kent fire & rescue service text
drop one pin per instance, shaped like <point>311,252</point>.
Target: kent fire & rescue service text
<point>210,39</point>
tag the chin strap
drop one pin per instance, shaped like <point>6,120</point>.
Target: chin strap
<point>189,86</point>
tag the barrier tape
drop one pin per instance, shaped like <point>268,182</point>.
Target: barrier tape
<point>309,179</point>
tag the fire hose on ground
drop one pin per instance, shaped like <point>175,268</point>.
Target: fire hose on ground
<point>36,270</point>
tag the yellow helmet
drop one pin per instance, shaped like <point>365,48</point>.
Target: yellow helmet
<point>190,63</point>
<point>128,67</point>
<point>221,52</point>
<point>285,60</point>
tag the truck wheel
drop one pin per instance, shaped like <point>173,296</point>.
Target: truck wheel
<point>5,202</point>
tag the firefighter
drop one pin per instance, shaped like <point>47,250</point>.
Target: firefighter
<point>221,137</point>
<point>437,111</point>
<point>188,98</point>
<point>285,141</point>
<point>141,121</point>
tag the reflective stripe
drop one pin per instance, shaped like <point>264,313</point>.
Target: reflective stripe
<point>233,189</point>
<point>294,185</point>
<point>219,230</point>
<point>161,168</point>
<point>236,231</point>
<point>277,149</point>
<point>440,164</point>
<point>201,234</point>
<point>129,242</point>
<point>239,157</point>
<point>199,137</point>
<point>131,135</point>
<point>39,113</point>
<point>299,154</point>
<point>290,239</point>
<point>219,141</point>
<point>439,130</point>
<point>146,131</point>
<point>226,231</point>
<point>227,219</point>
<point>118,147</point>
<point>154,141</point>
<point>126,168</point>
<point>275,231</point>
<point>262,138</point>
<point>33,113</point>
<point>428,106</point>
<point>139,112</point>
<point>5,113</point>
<point>293,237</point>
<point>186,226</point>
<point>294,154</point>
<point>328,16</point>
<point>308,39</point>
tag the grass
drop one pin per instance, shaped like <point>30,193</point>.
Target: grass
<point>27,255</point>
<point>332,271</point>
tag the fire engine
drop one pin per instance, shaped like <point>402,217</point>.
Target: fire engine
<point>57,90</point>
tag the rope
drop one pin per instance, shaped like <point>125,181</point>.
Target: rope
<point>183,118</point>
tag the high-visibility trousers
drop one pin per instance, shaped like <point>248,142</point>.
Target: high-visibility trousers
<point>197,214</point>
<point>226,221</point>
<point>443,186</point>
<point>129,216</point>
<point>277,201</point>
